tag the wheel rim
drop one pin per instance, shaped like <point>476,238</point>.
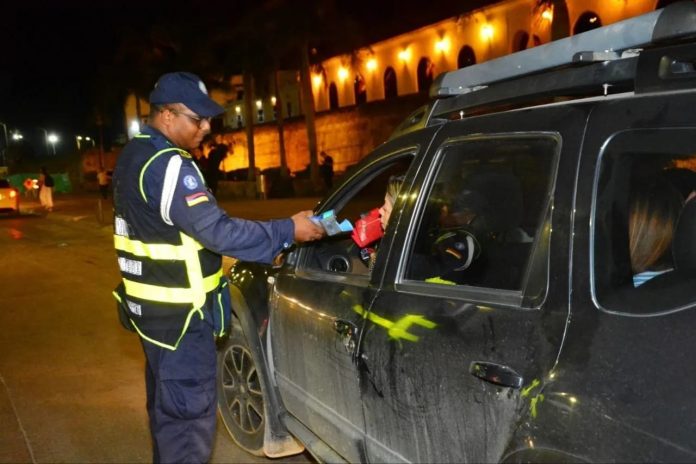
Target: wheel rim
<point>242,389</point>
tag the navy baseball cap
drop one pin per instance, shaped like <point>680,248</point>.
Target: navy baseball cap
<point>186,88</point>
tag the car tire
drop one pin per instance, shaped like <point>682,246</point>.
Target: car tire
<point>240,394</point>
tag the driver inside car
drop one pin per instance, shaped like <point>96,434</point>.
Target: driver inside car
<point>454,249</point>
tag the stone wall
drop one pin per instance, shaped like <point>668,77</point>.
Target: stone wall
<point>347,134</point>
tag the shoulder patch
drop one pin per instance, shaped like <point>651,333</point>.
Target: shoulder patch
<point>190,182</point>
<point>196,198</point>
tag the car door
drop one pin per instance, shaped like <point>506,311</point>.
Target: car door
<point>315,320</point>
<point>628,357</point>
<point>456,349</point>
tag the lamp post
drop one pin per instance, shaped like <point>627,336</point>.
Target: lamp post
<point>45,139</point>
<point>7,142</point>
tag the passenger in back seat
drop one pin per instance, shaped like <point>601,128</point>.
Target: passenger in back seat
<point>653,212</point>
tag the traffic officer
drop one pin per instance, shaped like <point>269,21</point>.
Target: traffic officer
<point>169,235</point>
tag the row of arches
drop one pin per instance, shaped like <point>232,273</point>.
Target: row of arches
<point>425,73</point>
<point>466,56</point>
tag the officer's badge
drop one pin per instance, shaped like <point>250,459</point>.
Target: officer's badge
<point>190,182</point>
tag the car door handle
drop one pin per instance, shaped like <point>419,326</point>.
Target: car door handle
<point>348,332</point>
<point>496,374</point>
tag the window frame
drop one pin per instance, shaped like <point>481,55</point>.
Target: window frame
<point>338,201</point>
<point>628,143</point>
<point>486,295</point>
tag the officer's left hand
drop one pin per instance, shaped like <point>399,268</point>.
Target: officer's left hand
<point>305,229</point>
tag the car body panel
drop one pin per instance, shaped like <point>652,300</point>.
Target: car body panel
<point>9,197</point>
<point>383,367</point>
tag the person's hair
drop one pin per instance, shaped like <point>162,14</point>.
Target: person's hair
<point>154,110</point>
<point>653,214</point>
<point>393,186</point>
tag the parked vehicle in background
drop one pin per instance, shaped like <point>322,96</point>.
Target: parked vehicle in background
<point>9,197</point>
<point>559,339</point>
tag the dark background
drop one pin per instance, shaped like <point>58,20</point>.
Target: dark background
<point>59,62</point>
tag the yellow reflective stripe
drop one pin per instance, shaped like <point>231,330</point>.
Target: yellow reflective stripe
<point>181,335</point>
<point>172,294</point>
<point>194,271</point>
<point>142,171</point>
<point>116,295</point>
<point>142,136</point>
<point>222,316</point>
<point>153,250</point>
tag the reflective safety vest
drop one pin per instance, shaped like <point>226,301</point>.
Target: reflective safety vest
<point>168,276</point>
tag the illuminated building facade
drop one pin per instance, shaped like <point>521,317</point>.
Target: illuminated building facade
<point>409,62</point>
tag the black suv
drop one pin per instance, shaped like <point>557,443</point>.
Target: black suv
<point>563,175</point>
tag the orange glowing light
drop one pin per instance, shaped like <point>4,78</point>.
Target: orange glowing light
<point>316,79</point>
<point>547,14</point>
<point>405,55</point>
<point>342,73</point>
<point>371,64</point>
<point>487,32</point>
<point>442,45</point>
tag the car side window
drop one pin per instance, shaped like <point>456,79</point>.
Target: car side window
<point>644,250</point>
<point>341,254</point>
<point>484,211</point>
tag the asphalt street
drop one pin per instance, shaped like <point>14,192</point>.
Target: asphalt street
<point>71,379</point>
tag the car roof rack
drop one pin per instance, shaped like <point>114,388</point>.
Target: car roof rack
<point>585,64</point>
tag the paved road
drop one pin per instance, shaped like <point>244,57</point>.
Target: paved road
<point>71,380</point>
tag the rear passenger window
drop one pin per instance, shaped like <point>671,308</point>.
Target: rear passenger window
<point>484,213</point>
<point>644,226</point>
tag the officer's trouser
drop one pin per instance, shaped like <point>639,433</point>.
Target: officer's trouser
<point>181,396</point>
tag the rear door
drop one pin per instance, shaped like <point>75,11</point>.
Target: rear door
<point>458,345</point>
<point>315,310</point>
<point>628,358</point>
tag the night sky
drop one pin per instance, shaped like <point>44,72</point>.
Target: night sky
<point>51,54</point>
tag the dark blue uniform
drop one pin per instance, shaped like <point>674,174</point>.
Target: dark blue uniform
<point>159,196</point>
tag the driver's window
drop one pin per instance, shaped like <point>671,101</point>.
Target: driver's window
<point>485,208</point>
<point>342,254</point>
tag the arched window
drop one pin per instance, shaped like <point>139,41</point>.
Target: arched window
<point>360,90</point>
<point>426,74</point>
<point>390,89</point>
<point>520,41</point>
<point>466,57</point>
<point>586,22</point>
<point>333,96</point>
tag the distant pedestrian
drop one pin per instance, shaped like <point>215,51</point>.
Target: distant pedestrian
<point>217,153</point>
<point>103,180</point>
<point>46,184</point>
<point>326,169</point>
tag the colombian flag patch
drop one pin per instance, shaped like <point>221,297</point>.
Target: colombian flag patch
<point>196,198</point>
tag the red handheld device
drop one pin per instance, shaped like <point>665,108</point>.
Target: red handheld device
<point>368,228</point>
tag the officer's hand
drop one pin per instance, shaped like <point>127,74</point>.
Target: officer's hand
<point>305,229</point>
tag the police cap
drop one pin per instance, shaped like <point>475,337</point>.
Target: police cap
<point>186,88</point>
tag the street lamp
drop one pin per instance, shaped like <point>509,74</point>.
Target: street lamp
<point>16,136</point>
<point>52,139</point>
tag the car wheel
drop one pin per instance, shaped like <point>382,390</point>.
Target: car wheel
<point>240,395</point>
